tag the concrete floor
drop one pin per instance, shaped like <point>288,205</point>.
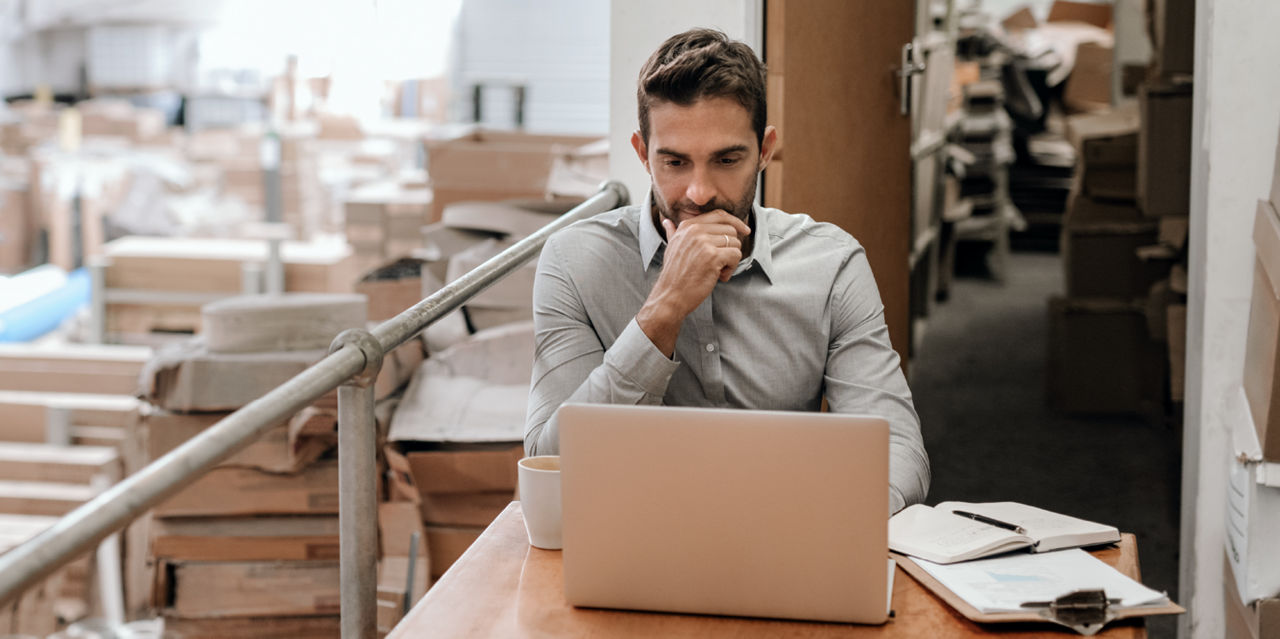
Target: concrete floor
<point>978,380</point>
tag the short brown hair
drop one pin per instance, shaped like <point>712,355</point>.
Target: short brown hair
<point>703,63</point>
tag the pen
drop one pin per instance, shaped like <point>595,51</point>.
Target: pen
<point>991,522</point>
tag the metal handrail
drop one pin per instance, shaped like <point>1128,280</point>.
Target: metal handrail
<point>350,367</point>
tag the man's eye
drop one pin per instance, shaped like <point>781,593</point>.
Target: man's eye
<point>674,162</point>
<point>728,161</point>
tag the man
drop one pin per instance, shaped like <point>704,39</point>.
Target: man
<point>699,298</point>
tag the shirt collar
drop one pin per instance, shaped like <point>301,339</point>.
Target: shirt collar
<point>651,241</point>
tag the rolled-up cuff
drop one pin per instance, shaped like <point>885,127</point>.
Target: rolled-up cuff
<point>635,357</point>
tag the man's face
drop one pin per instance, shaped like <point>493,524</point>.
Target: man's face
<point>703,157</point>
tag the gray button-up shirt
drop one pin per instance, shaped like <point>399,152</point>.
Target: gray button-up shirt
<point>800,319</point>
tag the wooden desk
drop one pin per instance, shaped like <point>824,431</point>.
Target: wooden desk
<point>502,587</point>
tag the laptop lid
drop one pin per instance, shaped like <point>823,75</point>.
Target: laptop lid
<point>726,512</point>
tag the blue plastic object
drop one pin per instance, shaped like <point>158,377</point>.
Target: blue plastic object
<point>43,314</point>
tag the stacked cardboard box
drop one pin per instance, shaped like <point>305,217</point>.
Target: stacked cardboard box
<point>33,612</point>
<point>461,424</point>
<point>1107,352</point>
<point>463,487</point>
<point>253,543</point>
<point>1171,27</point>
<point>170,277</point>
<point>27,124</point>
<point>242,155</point>
<point>72,194</point>
<point>473,164</point>
<point>119,118</point>
<point>983,132</point>
<point>16,224</point>
<point>385,220</point>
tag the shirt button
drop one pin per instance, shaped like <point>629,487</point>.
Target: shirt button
<point>711,348</point>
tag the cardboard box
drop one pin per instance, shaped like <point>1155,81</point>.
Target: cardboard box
<point>1164,150</point>
<point>486,165</point>
<point>1101,359</point>
<point>1107,144</point>
<point>1084,210</point>
<point>1097,14</point>
<point>382,216</point>
<point>464,509</point>
<point>513,291</point>
<point>260,538</point>
<point>1258,620</point>
<point>392,288</point>
<point>32,612</point>
<point>72,368</point>
<point>1172,28</point>
<point>279,450</point>
<point>467,468</point>
<point>286,322</point>
<point>255,627</point>
<point>1088,88</point>
<point>54,463</point>
<point>209,265</point>
<point>186,377</point>
<point>447,544</point>
<point>1102,260</point>
<point>15,226</point>
<point>245,491</point>
<point>27,415</point>
<point>1261,355</point>
<point>255,589</point>
<point>48,499</point>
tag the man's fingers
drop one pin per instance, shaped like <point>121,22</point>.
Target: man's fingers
<point>718,217</point>
<point>669,227</point>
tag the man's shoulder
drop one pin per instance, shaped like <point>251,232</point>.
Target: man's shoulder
<point>613,230</point>
<point>618,223</point>
<point>802,229</point>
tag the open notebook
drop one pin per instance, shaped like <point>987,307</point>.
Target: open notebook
<point>958,531</point>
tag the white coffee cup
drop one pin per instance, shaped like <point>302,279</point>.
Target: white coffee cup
<point>540,500</point>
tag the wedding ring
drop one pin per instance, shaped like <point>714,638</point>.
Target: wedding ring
<point>726,241</point>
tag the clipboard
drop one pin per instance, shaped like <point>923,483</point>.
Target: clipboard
<point>1087,612</point>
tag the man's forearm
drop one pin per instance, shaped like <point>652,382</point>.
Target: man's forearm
<point>632,371</point>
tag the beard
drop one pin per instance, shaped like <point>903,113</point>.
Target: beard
<point>740,209</point>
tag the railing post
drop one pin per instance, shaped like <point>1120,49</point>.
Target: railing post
<point>357,490</point>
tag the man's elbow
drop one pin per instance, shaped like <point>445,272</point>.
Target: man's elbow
<point>536,444</point>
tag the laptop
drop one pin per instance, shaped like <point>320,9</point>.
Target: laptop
<point>726,512</point>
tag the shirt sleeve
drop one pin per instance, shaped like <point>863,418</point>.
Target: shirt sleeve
<point>864,376</point>
<point>571,364</point>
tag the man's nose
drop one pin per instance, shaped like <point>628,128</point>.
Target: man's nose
<point>700,190</point>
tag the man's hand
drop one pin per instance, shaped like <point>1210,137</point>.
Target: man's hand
<point>704,250</point>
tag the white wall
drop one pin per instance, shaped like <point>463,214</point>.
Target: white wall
<point>559,49</point>
<point>1235,125</point>
<point>636,28</point>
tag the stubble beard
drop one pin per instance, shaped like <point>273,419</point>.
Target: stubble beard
<point>740,209</point>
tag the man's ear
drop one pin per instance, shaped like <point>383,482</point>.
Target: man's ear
<point>767,146</point>
<point>642,150</point>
